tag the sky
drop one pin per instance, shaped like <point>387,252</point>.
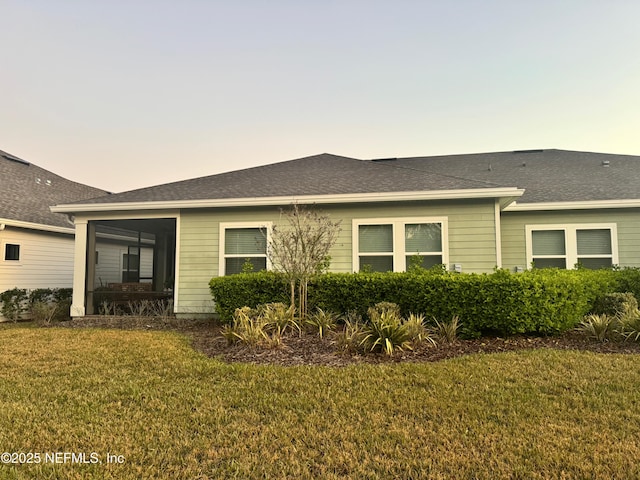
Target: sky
<point>124,94</point>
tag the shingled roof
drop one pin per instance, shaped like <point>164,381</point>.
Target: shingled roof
<point>323,174</point>
<point>27,191</point>
<point>545,175</point>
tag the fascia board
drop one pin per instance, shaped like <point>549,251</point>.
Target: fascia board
<point>584,205</point>
<point>36,226</point>
<point>510,193</point>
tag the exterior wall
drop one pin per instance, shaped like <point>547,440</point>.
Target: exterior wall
<point>471,233</point>
<point>46,260</point>
<point>109,265</point>
<point>513,232</point>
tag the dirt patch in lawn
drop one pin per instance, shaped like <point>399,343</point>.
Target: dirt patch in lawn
<point>309,349</point>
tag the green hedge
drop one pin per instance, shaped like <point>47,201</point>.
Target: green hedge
<point>247,289</point>
<point>541,301</point>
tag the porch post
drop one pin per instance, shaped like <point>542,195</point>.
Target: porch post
<point>79,269</point>
<point>91,267</point>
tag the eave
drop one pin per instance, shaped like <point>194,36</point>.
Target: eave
<point>506,195</point>
<point>35,226</point>
<point>582,205</point>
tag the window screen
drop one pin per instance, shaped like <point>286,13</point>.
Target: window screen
<point>244,246</point>
<point>11,252</point>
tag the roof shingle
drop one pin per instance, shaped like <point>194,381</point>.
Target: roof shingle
<point>27,191</point>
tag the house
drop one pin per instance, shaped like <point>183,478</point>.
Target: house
<point>37,245</point>
<point>472,213</point>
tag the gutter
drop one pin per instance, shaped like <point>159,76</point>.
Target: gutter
<point>508,194</point>
<point>584,205</point>
<point>4,222</point>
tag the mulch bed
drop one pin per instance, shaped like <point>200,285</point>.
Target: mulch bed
<point>309,349</point>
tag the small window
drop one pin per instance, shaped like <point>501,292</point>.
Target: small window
<point>243,246</point>
<point>12,252</point>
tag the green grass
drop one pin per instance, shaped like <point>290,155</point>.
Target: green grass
<point>173,413</point>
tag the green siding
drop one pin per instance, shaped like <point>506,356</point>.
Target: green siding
<point>513,232</point>
<point>471,228</point>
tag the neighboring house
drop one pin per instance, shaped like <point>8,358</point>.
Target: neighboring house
<point>37,245</point>
<point>471,213</point>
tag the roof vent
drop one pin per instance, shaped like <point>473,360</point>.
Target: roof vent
<point>605,163</point>
<point>540,150</point>
<point>384,159</point>
<point>48,182</point>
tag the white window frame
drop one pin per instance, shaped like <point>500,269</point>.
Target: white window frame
<point>231,225</point>
<point>4,252</point>
<point>398,227</point>
<point>571,241</point>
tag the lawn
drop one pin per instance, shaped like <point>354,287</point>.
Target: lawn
<point>159,409</point>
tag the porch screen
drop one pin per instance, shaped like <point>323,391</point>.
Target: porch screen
<point>245,246</point>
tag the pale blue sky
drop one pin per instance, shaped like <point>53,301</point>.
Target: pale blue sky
<point>124,94</point>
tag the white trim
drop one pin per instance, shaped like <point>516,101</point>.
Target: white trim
<point>128,215</point>
<point>584,205</point>
<point>399,253</point>
<point>223,226</point>
<point>176,267</point>
<point>4,252</point>
<point>510,192</point>
<point>498,230</point>
<point>36,226</point>
<point>570,239</point>
<point>79,269</point>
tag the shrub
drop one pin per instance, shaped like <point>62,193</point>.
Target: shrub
<point>14,303</point>
<point>264,325</point>
<point>43,312</point>
<point>246,327</point>
<point>615,303</point>
<point>630,324</point>
<point>600,327</point>
<point>321,322</point>
<point>351,337</point>
<point>417,330</point>
<point>543,301</point>
<point>447,331</point>
<point>250,289</point>
<point>385,331</point>
<point>278,317</point>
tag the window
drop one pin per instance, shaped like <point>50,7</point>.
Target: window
<point>563,246</point>
<point>383,245</point>
<point>242,244</point>
<point>12,252</point>
<point>131,266</point>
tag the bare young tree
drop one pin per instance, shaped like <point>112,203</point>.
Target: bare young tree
<point>299,247</point>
